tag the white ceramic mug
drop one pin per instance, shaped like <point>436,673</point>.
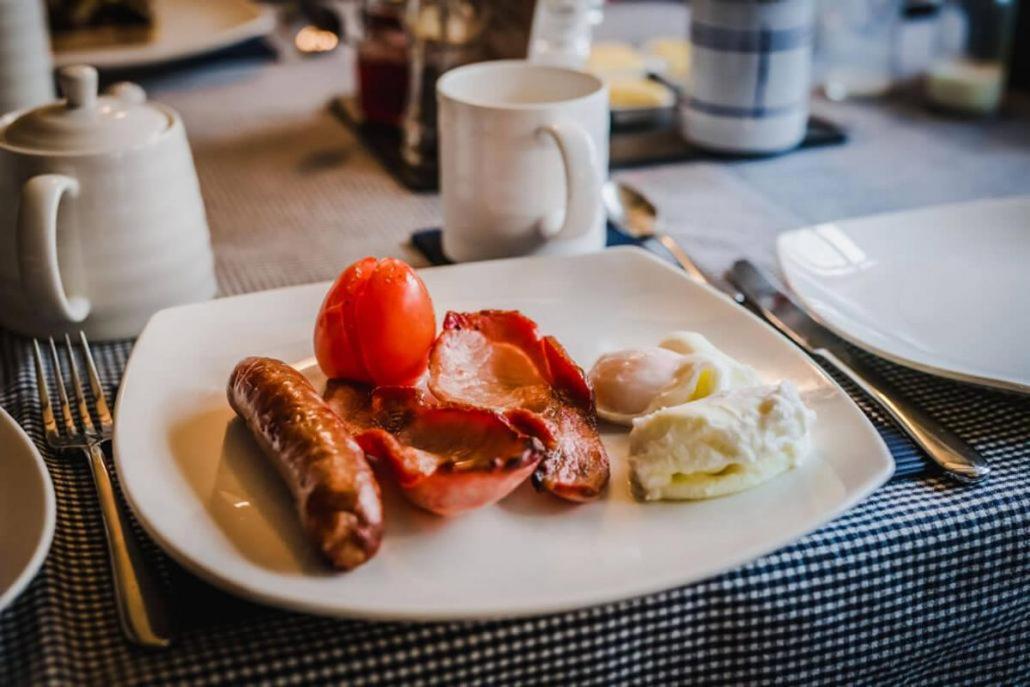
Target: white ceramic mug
<point>523,154</point>
<point>750,74</point>
<point>101,218</point>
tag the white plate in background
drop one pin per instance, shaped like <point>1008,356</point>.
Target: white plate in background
<point>183,28</point>
<point>27,510</point>
<point>941,289</point>
<point>203,490</point>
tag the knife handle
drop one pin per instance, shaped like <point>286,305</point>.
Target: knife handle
<point>957,458</point>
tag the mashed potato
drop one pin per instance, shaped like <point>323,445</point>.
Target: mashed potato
<point>724,443</point>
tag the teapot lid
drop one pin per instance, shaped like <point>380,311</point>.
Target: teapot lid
<point>87,123</point>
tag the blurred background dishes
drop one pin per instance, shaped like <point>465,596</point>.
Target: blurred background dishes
<point>956,51</point>
<point>750,75</point>
<point>643,101</point>
<point>857,41</point>
<point>25,67</point>
<point>974,45</point>
<point>177,29</point>
<point>562,31</point>
<point>641,82</point>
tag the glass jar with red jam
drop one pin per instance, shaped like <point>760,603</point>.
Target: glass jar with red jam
<point>383,61</point>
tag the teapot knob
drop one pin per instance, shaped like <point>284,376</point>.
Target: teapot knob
<point>79,86</point>
<point>128,92</point>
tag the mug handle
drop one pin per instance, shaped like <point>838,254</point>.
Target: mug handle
<point>37,248</point>
<point>583,187</point>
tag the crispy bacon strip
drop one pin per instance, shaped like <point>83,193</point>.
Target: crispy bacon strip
<point>497,359</point>
<point>446,458</point>
<point>336,493</point>
<point>352,402</point>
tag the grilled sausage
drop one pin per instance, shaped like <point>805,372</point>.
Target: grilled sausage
<point>336,493</point>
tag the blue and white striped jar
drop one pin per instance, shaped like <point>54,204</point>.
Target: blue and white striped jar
<point>750,74</point>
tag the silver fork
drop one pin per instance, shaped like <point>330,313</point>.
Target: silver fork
<point>142,610</point>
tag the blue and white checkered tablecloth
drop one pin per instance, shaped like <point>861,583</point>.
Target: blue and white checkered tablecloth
<point>923,583</point>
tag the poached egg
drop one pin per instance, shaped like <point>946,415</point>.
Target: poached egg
<point>683,367</point>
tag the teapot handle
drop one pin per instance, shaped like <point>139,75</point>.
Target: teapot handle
<point>37,248</point>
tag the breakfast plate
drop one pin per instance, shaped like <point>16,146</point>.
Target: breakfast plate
<point>27,510</point>
<point>939,289</point>
<point>200,486</point>
<point>182,28</point>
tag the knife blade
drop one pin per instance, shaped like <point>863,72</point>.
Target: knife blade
<point>957,458</point>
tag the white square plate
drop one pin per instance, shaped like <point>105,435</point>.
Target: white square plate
<point>203,490</point>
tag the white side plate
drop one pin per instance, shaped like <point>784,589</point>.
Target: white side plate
<point>27,511</point>
<point>203,490</point>
<point>183,28</point>
<point>941,289</point>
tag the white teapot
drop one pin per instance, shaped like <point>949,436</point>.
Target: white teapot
<point>101,219</point>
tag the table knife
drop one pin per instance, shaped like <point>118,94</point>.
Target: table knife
<point>957,458</point>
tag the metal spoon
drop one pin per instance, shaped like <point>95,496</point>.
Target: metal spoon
<point>633,214</point>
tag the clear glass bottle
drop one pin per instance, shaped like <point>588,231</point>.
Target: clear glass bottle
<point>855,46</point>
<point>562,31</point>
<point>442,34</point>
<point>974,44</point>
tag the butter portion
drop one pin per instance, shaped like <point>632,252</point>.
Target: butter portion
<point>614,59</point>
<point>722,444</point>
<point>674,53</point>
<point>628,93</point>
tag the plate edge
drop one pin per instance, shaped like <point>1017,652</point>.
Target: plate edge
<point>261,23</point>
<point>42,549</point>
<point>992,383</point>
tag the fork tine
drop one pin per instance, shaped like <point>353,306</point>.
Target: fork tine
<point>49,423</point>
<point>103,412</point>
<point>80,398</point>
<point>66,409</point>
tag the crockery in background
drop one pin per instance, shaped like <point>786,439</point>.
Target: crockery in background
<point>523,153</point>
<point>25,67</point>
<point>101,219</point>
<point>857,46</point>
<point>562,30</point>
<point>748,85</point>
<point>975,42</point>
